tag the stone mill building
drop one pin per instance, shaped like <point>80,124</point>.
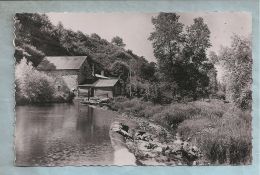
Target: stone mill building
<point>80,74</point>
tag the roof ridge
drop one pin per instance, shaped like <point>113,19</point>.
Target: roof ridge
<point>69,56</point>
<point>106,82</point>
<point>61,62</point>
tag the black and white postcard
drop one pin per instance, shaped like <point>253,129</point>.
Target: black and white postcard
<point>133,88</point>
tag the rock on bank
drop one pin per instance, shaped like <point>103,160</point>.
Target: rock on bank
<point>149,144</point>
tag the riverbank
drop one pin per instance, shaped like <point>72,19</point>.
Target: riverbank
<point>147,143</point>
<point>221,132</point>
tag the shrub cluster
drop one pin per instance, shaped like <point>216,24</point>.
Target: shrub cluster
<point>134,106</point>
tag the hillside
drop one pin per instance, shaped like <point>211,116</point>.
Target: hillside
<point>37,37</point>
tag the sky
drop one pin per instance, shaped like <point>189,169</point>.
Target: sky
<point>135,28</point>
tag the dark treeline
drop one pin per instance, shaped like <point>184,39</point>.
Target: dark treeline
<point>37,37</point>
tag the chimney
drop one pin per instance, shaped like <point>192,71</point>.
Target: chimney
<point>93,70</point>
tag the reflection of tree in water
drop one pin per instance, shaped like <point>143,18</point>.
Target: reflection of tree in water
<point>93,124</point>
<point>85,122</point>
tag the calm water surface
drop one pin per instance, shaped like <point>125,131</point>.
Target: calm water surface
<point>63,134</point>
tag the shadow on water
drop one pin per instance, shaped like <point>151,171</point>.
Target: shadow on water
<point>62,134</point>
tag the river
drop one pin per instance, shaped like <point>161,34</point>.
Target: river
<point>63,134</point>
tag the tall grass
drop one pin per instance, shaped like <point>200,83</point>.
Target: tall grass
<point>224,140</point>
<point>133,106</point>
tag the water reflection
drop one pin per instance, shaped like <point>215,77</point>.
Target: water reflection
<point>63,134</point>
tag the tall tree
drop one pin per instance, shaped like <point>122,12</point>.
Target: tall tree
<point>148,70</point>
<point>182,56</point>
<point>118,41</point>
<point>167,41</point>
<point>197,42</point>
<point>195,59</point>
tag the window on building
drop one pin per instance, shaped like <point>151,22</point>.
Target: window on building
<point>59,88</point>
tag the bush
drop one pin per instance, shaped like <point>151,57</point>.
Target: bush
<point>39,88</point>
<point>174,114</point>
<point>134,106</point>
<point>161,93</point>
<point>33,86</point>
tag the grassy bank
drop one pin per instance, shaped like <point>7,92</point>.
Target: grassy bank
<point>220,130</point>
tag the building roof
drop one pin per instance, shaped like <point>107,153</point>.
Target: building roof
<point>106,82</point>
<point>61,62</point>
<point>86,85</point>
<point>101,83</point>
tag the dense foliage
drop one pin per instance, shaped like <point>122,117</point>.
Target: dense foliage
<point>181,55</point>
<point>32,85</point>
<point>236,62</point>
